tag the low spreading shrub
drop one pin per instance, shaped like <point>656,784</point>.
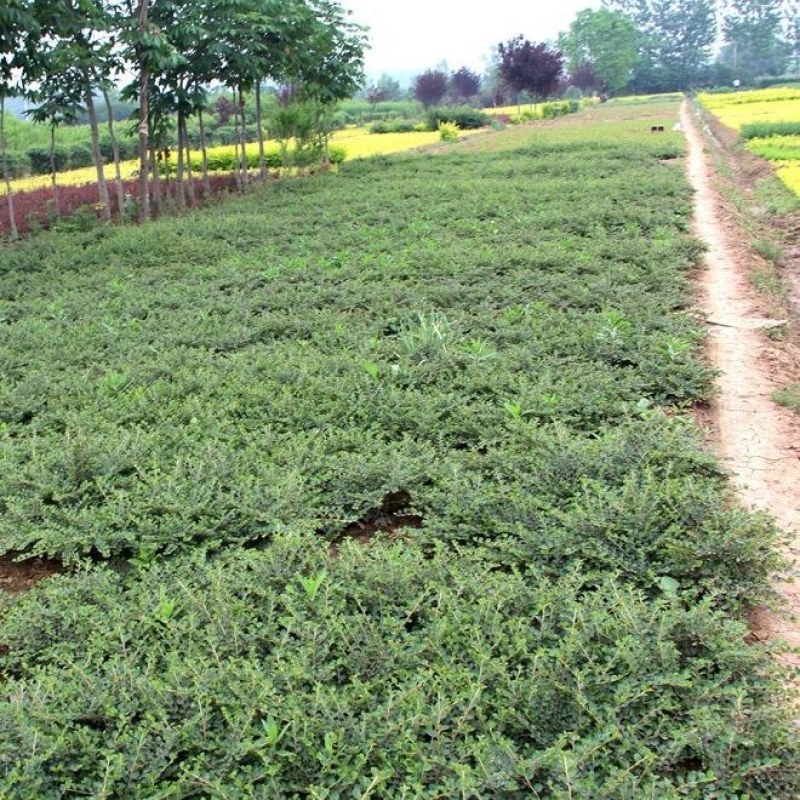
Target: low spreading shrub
<point>764,130</point>
<point>558,109</point>
<point>287,672</point>
<point>464,118</point>
<point>393,126</point>
<point>41,160</point>
<point>392,492</point>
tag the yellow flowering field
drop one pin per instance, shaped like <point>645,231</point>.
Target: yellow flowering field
<point>761,105</point>
<point>777,105</point>
<point>358,142</point>
<point>512,111</point>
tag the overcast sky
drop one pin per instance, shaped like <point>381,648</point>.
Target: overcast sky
<point>417,34</point>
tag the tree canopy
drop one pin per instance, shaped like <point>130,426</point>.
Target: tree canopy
<point>604,41</point>
<point>527,67</point>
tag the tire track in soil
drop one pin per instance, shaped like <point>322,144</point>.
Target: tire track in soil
<point>756,438</point>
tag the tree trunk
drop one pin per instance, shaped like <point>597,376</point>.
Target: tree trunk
<point>115,151</point>
<point>102,188</point>
<point>156,179</point>
<point>12,222</point>
<point>56,206</point>
<point>180,188</point>
<point>262,161</point>
<point>144,122</point>
<point>204,152</point>
<point>245,177</point>
<point>189,170</point>
<point>237,141</point>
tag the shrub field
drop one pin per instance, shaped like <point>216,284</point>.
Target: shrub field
<point>768,120</point>
<point>379,485</point>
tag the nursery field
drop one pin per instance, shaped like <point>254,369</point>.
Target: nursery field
<point>380,485</point>
<point>355,143</point>
<point>769,122</point>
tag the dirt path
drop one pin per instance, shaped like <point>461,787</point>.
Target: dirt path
<point>756,438</point>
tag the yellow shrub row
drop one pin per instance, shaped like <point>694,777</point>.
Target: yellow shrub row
<point>358,142</point>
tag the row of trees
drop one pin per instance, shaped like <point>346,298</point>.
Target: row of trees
<point>664,45</point>
<point>63,54</point>
<point>631,45</point>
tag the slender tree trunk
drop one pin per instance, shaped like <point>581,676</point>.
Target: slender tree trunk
<point>12,222</point>
<point>180,187</point>
<point>262,161</point>
<point>189,170</point>
<point>204,152</point>
<point>115,150</point>
<point>245,177</point>
<point>157,199</point>
<point>237,139</point>
<point>144,122</point>
<point>56,206</point>
<point>97,155</point>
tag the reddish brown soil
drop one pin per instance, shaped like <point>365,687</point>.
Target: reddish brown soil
<point>19,576</point>
<point>758,440</point>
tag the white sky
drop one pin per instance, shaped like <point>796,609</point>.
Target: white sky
<point>414,35</point>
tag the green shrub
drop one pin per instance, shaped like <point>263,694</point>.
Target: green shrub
<point>337,153</point>
<point>393,126</point>
<point>80,156</point>
<point>763,130</point>
<point>274,673</point>
<point>471,363</point>
<point>448,132</point>
<point>40,159</point>
<point>557,109</point>
<point>464,118</point>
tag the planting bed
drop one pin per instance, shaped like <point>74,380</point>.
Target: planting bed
<point>378,485</point>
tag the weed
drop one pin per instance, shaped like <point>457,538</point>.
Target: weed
<point>788,396</point>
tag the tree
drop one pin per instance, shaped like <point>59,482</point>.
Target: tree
<point>430,87</point>
<point>754,42</point>
<point>585,78</point>
<point>464,84</point>
<point>17,24</point>
<point>604,40</point>
<point>386,88</point>
<point>527,67</point>
<point>675,41</point>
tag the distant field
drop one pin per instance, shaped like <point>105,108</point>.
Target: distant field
<point>769,120</point>
<point>763,105</point>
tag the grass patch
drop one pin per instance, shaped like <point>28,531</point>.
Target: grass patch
<point>788,396</point>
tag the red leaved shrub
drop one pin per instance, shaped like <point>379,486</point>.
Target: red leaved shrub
<point>36,208</point>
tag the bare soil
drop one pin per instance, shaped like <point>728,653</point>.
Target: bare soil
<point>19,576</point>
<point>758,440</point>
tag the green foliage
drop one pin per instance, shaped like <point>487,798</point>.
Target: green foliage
<point>788,396</point>
<point>286,671</point>
<point>337,153</point>
<point>393,126</point>
<point>360,112</point>
<point>462,117</point>
<point>605,40</point>
<point>765,130</point>
<point>448,132</point>
<point>477,359</point>
<point>553,110</point>
<point>80,156</point>
<point>40,159</point>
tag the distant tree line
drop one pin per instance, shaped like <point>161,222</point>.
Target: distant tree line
<point>631,46</point>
